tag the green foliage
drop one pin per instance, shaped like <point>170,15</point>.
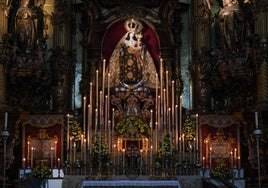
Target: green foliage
<point>41,172</point>
<point>189,129</point>
<point>75,130</point>
<point>134,123</point>
<point>100,153</point>
<point>221,172</point>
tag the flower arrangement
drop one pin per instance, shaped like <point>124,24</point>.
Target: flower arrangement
<point>221,172</point>
<point>41,172</point>
<point>75,130</point>
<point>100,153</point>
<point>189,129</point>
<point>132,123</point>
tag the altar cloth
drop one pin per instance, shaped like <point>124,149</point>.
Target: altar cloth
<point>131,184</point>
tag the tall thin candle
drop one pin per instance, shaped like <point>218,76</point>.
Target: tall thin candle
<point>256,120</point>
<point>84,114</point>
<point>6,117</point>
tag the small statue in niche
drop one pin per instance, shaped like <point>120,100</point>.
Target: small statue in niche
<point>231,22</point>
<point>25,27</point>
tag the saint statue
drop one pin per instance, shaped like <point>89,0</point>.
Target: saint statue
<point>230,26</point>
<point>25,26</point>
<point>131,65</point>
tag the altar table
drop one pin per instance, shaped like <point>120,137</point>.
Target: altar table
<point>131,184</point>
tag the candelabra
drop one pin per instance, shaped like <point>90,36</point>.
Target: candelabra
<point>4,135</point>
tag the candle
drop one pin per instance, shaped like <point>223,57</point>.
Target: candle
<point>239,162</point>
<point>123,158</point>
<point>197,128</point>
<point>109,136</point>
<point>183,146</point>
<point>180,113</point>
<point>90,117</point>
<point>96,120</point>
<point>71,149</point>
<point>167,85</point>
<point>58,163</point>
<point>56,142</point>
<point>210,157</point>
<point>82,143</point>
<point>74,152</point>
<point>151,125</point>
<point>28,151</point>
<point>84,115</point>
<point>32,156</point>
<point>23,163</point>
<point>204,162</point>
<point>151,157</point>
<point>180,150</point>
<point>232,162</point>
<point>68,134</point>
<point>173,111</point>
<point>176,127</point>
<point>51,157</point>
<point>235,155</point>
<point>103,76</point>
<point>6,115</point>
<point>256,120</point>
<point>97,88</point>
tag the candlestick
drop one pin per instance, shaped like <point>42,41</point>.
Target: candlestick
<point>6,115</point>
<point>256,120</point>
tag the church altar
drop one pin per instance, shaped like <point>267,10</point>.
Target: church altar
<point>130,183</point>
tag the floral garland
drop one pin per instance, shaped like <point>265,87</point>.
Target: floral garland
<point>122,128</point>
